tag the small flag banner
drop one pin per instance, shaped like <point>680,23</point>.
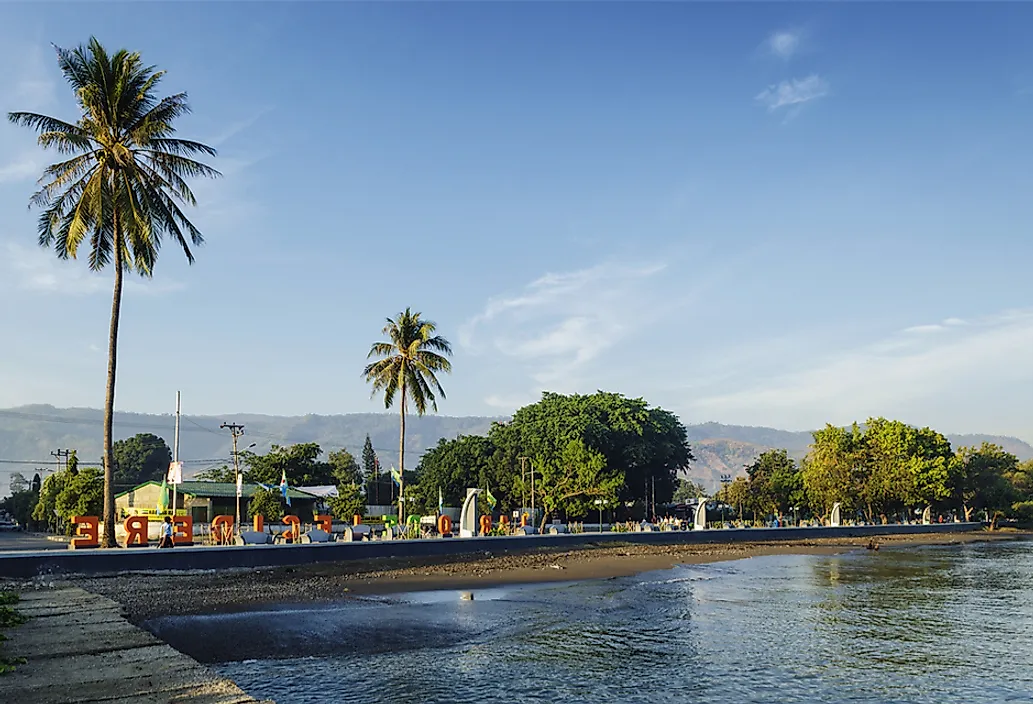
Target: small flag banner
<point>396,477</point>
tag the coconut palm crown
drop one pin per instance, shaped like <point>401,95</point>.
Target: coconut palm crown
<point>121,186</point>
<point>406,367</point>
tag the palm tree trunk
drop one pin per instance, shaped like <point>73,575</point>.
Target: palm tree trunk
<point>109,398</point>
<point>401,463</point>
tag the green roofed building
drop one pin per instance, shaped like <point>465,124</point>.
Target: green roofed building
<point>203,501</point>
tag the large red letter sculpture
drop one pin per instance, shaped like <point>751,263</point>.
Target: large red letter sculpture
<point>326,523</point>
<point>222,530</point>
<point>295,527</point>
<point>444,524</point>
<point>182,530</point>
<point>258,523</point>
<point>485,524</point>
<point>136,531</point>
<point>87,530</point>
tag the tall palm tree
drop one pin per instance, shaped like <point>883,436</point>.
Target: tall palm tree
<point>121,188</point>
<point>405,368</point>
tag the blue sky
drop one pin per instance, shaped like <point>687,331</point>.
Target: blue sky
<point>771,214</point>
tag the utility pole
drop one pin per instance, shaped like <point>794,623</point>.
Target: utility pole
<point>175,458</point>
<point>523,483</point>
<point>236,431</point>
<point>59,455</point>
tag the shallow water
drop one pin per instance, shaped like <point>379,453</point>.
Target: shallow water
<point>931,624</point>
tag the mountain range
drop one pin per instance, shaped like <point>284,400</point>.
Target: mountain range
<point>28,435</point>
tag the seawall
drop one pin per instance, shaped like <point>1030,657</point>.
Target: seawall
<point>25,565</point>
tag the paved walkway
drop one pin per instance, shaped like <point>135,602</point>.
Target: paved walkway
<point>80,649</point>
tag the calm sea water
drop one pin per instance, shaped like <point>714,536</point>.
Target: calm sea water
<point>930,624</point>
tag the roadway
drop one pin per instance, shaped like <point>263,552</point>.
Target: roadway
<point>19,540</point>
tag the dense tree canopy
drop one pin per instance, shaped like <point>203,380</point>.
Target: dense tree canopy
<point>883,468</point>
<point>300,462</point>
<point>580,447</point>
<point>141,458</point>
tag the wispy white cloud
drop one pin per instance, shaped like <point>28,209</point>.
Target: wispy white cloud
<point>21,169</point>
<point>793,93</point>
<point>36,269</point>
<point>905,371</point>
<point>561,322</point>
<point>236,127</point>
<point>784,43</point>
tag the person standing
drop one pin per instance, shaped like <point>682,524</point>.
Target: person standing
<point>165,541</point>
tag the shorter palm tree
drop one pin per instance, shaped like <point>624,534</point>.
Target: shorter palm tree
<point>406,367</point>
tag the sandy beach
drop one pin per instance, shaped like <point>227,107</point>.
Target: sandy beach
<point>145,596</point>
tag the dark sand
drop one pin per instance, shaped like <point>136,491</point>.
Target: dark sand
<point>145,596</point>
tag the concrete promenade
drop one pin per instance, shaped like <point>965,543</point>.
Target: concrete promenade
<point>23,565</point>
<point>78,648</point>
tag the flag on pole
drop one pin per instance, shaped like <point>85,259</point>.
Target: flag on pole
<point>175,473</point>
<point>490,498</point>
<point>441,501</point>
<point>283,487</point>
<point>163,497</point>
<point>396,477</point>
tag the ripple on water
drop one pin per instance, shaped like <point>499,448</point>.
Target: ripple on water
<point>939,625</point>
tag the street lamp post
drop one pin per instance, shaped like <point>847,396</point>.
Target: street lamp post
<point>238,479</point>
<point>600,503</point>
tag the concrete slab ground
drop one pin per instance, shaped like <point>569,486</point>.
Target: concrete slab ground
<point>79,649</point>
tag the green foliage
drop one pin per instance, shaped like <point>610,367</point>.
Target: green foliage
<point>267,503</point>
<point>120,182</point>
<point>644,445</point>
<point>142,458</point>
<point>222,474</point>
<point>455,465</point>
<point>370,463</point>
<point>985,478</point>
<point>21,505</point>
<point>343,468</point>
<point>9,618</point>
<point>406,366</point>
<point>348,502</point>
<point>18,482</point>
<point>83,494</point>
<point>830,472</point>
<point>1023,511</point>
<point>775,483</point>
<point>569,483</point>
<point>300,461</point>
<point>45,511</point>
<point>688,490</point>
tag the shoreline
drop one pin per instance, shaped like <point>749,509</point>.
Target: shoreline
<point>152,595</point>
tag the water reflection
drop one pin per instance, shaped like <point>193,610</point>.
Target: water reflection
<point>940,625</point>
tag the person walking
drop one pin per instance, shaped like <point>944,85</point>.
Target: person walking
<point>165,541</point>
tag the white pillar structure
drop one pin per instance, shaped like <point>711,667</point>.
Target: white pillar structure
<point>468,518</point>
<point>700,522</point>
<point>836,518</point>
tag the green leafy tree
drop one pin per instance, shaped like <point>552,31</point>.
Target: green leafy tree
<point>343,468</point>
<point>455,465</point>
<point>45,511</point>
<point>407,366</point>
<point>347,503</point>
<point>20,505</point>
<point>570,482</point>
<point>120,187</point>
<point>775,483</point>
<point>18,482</point>
<point>830,471</point>
<point>300,462</point>
<point>688,490</point>
<point>736,494</point>
<point>980,478</point>
<point>648,446</point>
<point>142,458</point>
<point>370,463</point>
<point>267,503</point>
<point>82,495</point>
<point>1021,480</point>
<point>222,474</point>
